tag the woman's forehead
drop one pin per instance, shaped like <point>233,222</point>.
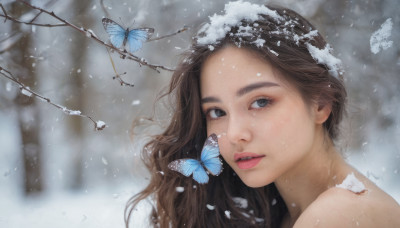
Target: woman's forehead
<point>234,59</point>
<point>233,63</point>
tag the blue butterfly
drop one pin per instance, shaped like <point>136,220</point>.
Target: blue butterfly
<point>209,159</point>
<point>119,36</point>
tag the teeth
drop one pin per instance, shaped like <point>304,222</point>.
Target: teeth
<point>245,158</point>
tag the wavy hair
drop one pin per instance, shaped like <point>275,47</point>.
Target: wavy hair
<point>285,47</point>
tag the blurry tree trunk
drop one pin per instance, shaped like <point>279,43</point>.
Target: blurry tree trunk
<point>28,111</point>
<point>78,56</point>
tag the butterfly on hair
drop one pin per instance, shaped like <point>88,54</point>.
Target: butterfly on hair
<point>120,36</point>
<point>209,162</point>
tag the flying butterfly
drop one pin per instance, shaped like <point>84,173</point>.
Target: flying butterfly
<point>209,159</point>
<point>120,36</point>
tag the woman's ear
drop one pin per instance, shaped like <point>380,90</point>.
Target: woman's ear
<point>322,112</point>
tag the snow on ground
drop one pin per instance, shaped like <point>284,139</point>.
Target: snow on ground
<point>70,210</point>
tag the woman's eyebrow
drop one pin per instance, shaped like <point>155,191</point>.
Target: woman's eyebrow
<point>242,91</point>
<point>251,87</point>
<point>209,99</point>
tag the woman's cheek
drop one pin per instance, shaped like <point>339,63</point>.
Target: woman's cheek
<point>223,142</point>
<point>223,145</point>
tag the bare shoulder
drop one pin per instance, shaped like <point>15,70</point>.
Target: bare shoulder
<point>337,207</point>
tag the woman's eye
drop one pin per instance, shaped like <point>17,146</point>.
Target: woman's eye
<point>260,103</point>
<point>216,113</point>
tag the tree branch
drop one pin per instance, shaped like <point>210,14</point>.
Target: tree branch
<point>121,81</point>
<point>169,35</point>
<point>90,34</point>
<point>5,13</point>
<point>103,7</point>
<point>6,16</point>
<point>99,125</point>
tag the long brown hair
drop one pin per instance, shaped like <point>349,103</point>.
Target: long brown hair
<point>208,205</point>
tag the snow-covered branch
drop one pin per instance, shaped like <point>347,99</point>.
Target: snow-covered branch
<point>98,125</point>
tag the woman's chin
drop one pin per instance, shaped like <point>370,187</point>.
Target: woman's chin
<point>255,182</point>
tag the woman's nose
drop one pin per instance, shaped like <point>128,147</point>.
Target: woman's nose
<point>239,130</point>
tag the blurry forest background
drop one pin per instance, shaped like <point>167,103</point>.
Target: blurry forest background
<point>57,171</point>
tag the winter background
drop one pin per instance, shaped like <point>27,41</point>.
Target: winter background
<point>85,177</point>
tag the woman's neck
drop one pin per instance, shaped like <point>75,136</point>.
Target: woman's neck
<point>319,170</point>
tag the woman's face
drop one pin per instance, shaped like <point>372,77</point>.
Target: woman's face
<point>265,129</point>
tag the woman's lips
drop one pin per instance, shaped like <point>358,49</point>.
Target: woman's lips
<point>246,160</point>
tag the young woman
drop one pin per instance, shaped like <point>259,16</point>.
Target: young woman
<point>263,80</point>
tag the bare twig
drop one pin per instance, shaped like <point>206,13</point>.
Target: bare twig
<point>6,16</point>
<point>98,125</point>
<point>118,76</point>
<point>169,35</point>
<point>5,13</point>
<point>10,41</point>
<point>121,81</point>
<point>103,7</point>
<point>35,17</point>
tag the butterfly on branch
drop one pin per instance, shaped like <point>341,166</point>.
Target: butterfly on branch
<point>120,36</point>
<point>209,159</point>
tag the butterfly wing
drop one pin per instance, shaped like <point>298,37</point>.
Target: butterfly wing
<point>184,166</point>
<point>200,175</point>
<point>210,155</point>
<point>115,31</point>
<point>188,167</point>
<point>209,158</point>
<point>137,36</point>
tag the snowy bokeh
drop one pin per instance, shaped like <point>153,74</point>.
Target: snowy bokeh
<point>88,176</point>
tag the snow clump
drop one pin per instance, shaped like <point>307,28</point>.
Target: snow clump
<point>100,125</point>
<point>351,183</point>
<point>210,207</point>
<point>26,92</point>
<point>380,38</point>
<point>239,11</point>
<point>228,214</point>
<point>240,202</point>
<point>235,12</point>
<point>324,56</point>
